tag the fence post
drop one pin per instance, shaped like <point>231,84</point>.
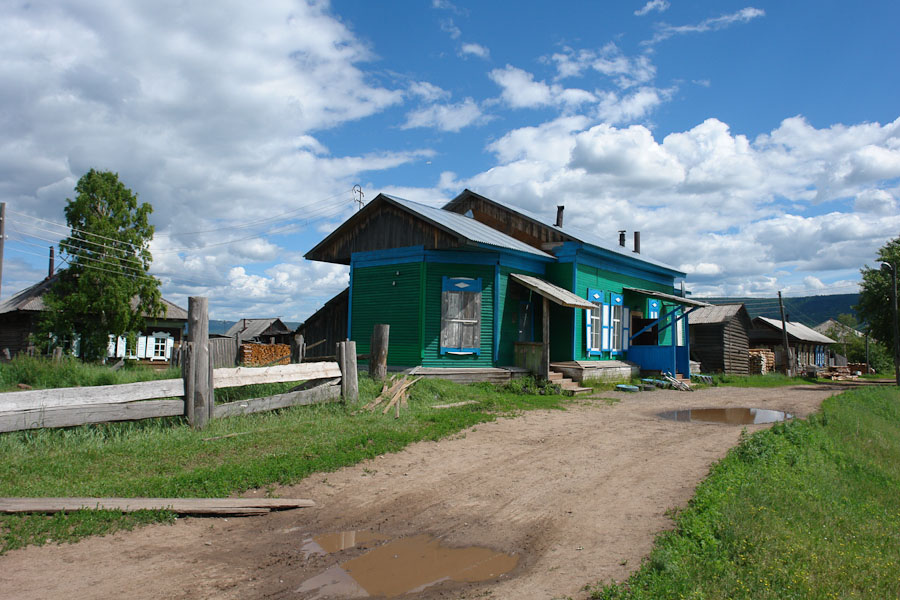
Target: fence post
<point>379,351</point>
<point>297,348</point>
<point>345,353</point>
<point>200,376</point>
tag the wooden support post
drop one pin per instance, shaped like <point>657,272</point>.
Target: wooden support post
<point>297,348</point>
<point>349,377</point>
<point>57,354</point>
<point>198,329</point>
<point>545,345</point>
<point>187,352</point>
<point>784,337</point>
<point>379,351</point>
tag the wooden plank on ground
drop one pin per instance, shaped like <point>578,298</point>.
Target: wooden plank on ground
<point>324,393</point>
<point>103,394</point>
<point>92,413</point>
<point>223,378</point>
<point>192,506</point>
<point>454,404</point>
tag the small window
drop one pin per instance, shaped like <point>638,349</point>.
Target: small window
<point>460,315</point>
<point>159,347</point>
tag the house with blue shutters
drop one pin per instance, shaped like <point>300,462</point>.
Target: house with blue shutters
<point>481,286</point>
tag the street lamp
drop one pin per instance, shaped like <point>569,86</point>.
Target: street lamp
<point>886,266</point>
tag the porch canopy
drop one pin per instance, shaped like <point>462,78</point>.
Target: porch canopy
<point>552,292</point>
<point>558,295</point>
<point>669,297</point>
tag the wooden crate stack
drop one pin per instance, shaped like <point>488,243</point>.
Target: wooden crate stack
<point>265,354</point>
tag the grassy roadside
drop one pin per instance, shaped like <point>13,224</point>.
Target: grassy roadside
<point>165,457</point>
<point>41,373</point>
<point>806,509</point>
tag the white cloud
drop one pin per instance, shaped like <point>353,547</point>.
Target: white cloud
<point>473,49</point>
<point>876,202</point>
<point>450,117</point>
<point>428,91</point>
<point>744,15</point>
<point>520,90</point>
<point>449,27</point>
<point>652,5</point>
<point>609,60</point>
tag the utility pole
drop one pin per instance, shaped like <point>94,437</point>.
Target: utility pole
<point>2,237</point>
<point>893,269</point>
<point>357,189</point>
<point>784,339</point>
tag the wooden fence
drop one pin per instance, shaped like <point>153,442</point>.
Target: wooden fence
<point>192,395</point>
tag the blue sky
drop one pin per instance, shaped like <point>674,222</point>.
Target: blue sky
<point>756,146</point>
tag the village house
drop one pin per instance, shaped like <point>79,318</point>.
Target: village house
<point>720,338</point>
<point>21,313</point>
<point>809,348</point>
<point>478,287</point>
<point>260,331</point>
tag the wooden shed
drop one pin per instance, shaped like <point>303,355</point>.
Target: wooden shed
<point>326,327</point>
<point>720,338</point>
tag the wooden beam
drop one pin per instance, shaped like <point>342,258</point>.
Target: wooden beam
<point>69,416</point>
<point>318,395</point>
<point>193,506</point>
<point>223,378</point>
<point>379,351</point>
<point>545,345</point>
<point>78,396</point>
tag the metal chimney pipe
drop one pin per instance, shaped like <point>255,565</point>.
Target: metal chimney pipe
<point>559,215</point>
<point>50,270</point>
<point>621,237</point>
<point>637,242</point>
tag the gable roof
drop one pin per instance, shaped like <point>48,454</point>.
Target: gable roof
<point>797,331</point>
<point>717,313</point>
<point>567,233</point>
<point>832,324</point>
<point>32,299</point>
<point>251,328</point>
<point>457,229</point>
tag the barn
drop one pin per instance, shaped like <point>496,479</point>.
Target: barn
<point>720,338</point>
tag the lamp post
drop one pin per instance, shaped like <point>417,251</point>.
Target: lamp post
<point>886,266</point>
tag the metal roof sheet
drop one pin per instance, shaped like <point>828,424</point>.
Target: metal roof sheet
<point>670,297</point>
<point>251,328</point>
<point>798,331</point>
<point>552,292</point>
<point>718,313</point>
<point>466,227</point>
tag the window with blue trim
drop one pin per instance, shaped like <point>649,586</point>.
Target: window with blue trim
<point>460,315</point>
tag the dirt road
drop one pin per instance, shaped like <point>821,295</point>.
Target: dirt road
<point>577,496</point>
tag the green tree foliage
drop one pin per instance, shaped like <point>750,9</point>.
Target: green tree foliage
<point>874,308</point>
<point>106,288</point>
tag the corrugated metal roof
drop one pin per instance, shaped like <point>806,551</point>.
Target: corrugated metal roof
<point>714,314</point>
<point>552,292</point>
<point>798,331</point>
<point>465,227</point>
<point>670,297</point>
<point>251,328</point>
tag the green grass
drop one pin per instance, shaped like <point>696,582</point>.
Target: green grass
<point>806,509</point>
<point>43,373</point>
<point>759,381</point>
<point>165,457</point>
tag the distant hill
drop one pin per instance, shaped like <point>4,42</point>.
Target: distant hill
<point>221,327</point>
<point>809,310</point>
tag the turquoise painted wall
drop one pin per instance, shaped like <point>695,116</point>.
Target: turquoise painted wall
<point>511,295</point>
<point>560,274</point>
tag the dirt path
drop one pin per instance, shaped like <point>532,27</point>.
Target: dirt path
<point>577,495</point>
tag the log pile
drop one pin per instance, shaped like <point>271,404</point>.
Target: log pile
<point>396,392</point>
<point>265,354</point>
<point>762,361</point>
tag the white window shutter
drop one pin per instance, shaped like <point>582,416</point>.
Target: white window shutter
<point>121,342</point>
<point>142,346</point>
<point>111,346</point>
<point>587,329</point>
<point>604,339</point>
<point>170,343</point>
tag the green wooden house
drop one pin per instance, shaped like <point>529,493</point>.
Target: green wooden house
<point>480,285</point>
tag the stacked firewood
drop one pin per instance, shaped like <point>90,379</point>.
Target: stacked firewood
<point>259,355</point>
<point>768,358</point>
<point>394,391</point>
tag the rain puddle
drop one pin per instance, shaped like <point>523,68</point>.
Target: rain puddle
<point>729,416</point>
<point>403,566</point>
<point>342,540</point>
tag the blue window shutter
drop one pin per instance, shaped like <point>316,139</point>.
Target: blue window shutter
<point>460,315</point>
<point>595,296</point>
<point>652,308</point>
<point>615,299</point>
<point>626,327</point>
<point>604,338</point>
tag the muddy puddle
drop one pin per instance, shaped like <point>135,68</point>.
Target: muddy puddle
<point>728,416</point>
<point>402,566</point>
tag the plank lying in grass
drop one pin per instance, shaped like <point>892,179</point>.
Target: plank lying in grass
<point>187,506</point>
<point>454,404</point>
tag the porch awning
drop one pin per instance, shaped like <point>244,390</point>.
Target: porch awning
<point>669,297</point>
<point>551,292</point>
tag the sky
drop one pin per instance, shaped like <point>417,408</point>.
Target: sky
<point>755,145</point>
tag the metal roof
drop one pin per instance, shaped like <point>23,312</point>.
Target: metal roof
<point>797,330</point>
<point>717,313</point>
<point>579,235</point>
<point>670,297</point>
<point>465,227</point>
<point>251,328</point>
<point>552,292</point>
